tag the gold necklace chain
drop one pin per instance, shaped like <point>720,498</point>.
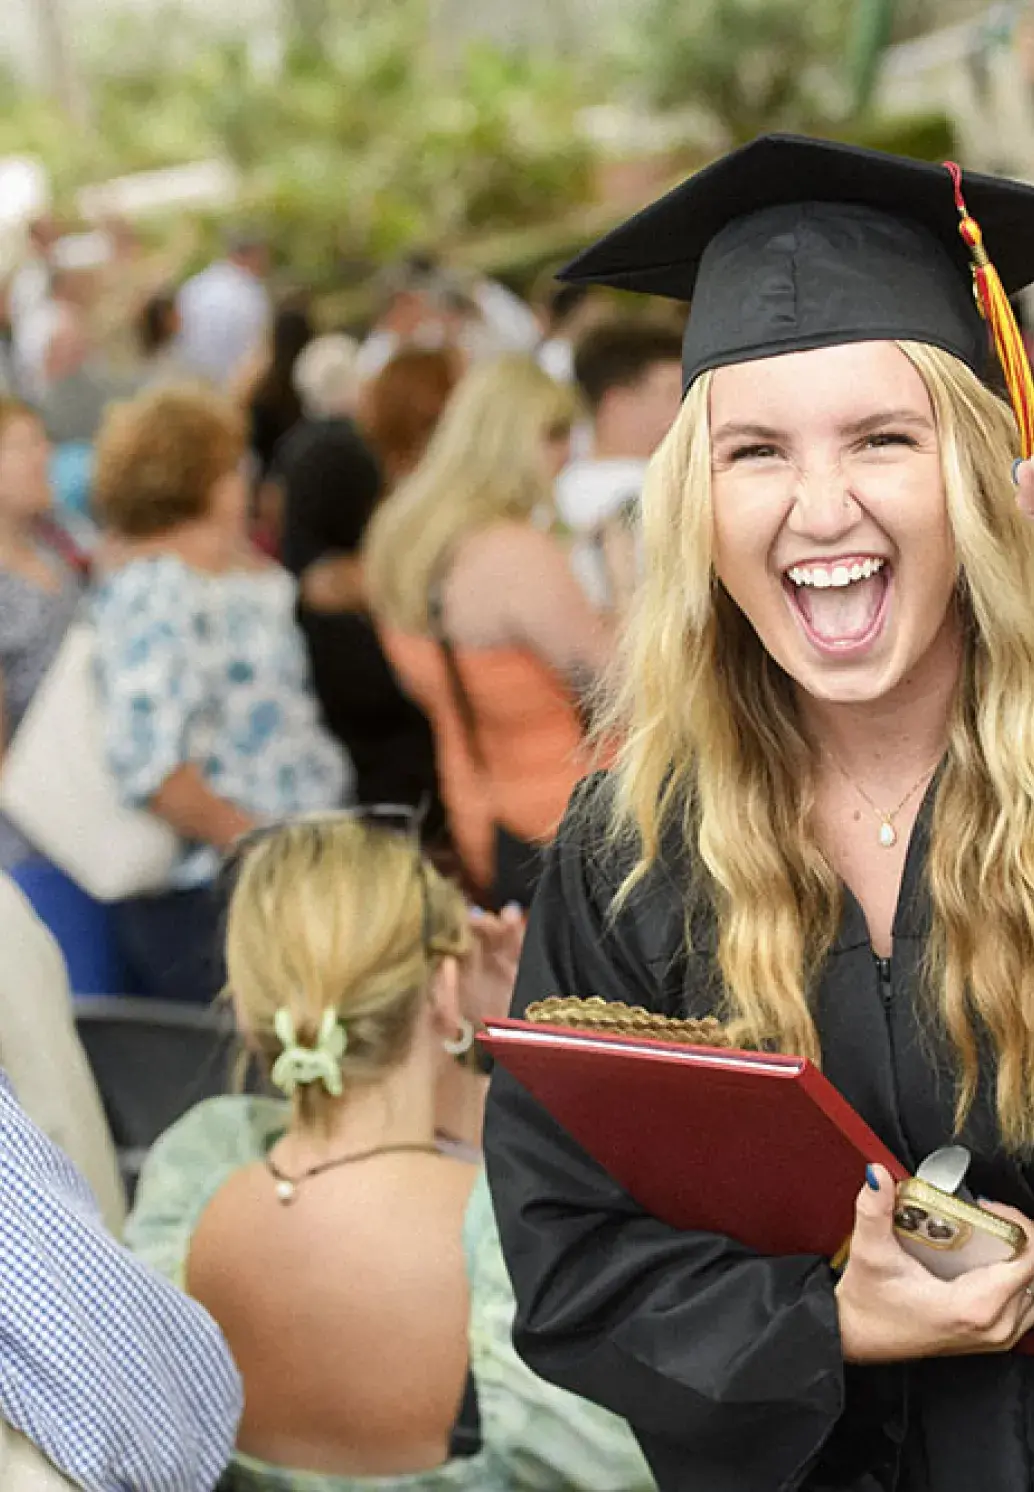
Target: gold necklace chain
<point>887,833</point>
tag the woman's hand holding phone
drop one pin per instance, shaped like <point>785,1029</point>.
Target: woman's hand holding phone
<point>892,1308</point>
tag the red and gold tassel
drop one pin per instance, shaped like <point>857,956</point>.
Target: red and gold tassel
<point>998,313</point>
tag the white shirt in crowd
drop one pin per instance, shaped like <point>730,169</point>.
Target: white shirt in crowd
<point>225,312</point>
<point>588,494</point>
<point>34,319</point>
<point>555,356</point>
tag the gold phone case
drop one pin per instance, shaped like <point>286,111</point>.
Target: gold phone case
<point>950,1236</point>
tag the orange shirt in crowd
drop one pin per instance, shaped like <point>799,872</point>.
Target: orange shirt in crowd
<point>530,735</point>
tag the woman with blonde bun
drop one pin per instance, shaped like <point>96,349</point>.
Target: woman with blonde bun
<point>340,1235</point>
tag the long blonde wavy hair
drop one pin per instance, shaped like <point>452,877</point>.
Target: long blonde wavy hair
<point>338,914</point>
<point>714,747</point>
<point>484,464</point>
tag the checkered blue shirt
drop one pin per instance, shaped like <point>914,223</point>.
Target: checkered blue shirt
<point>124,1383</point>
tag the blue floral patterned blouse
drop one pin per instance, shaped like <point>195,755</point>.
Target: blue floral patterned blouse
<point>212,670</point>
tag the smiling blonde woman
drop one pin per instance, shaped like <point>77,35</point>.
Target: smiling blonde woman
<point>819,830</point>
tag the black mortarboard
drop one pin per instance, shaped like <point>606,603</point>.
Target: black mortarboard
<point>791,243</point>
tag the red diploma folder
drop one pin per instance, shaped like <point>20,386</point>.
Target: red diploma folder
<point>760,1148</point>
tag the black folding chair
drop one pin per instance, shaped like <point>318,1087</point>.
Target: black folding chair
<point>153,1060</point>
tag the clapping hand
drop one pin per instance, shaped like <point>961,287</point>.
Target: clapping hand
<point>488,973</point>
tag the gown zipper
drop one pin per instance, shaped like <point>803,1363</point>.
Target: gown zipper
<point>884,973</point>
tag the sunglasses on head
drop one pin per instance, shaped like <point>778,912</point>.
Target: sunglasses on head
<point>403,819</point>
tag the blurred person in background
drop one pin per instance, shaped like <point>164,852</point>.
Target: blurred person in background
<point>78,384</point>
<point>326,379</point>
<point>209,719</point>
<point>484,621</point>
<point>7,374</point>
<point>331,483</point>
<point>274,408</point>
<point>340,1223</point>
<point>30,290</point>
<point>629,374</point>
<point>45,319</point>
<point>157,330</point>
<point>40,587</point>
<point>274,404</point>
<point>42,1057</point>
<point>401,407</point>
<point>565,313</point>
<point>108,1371</point>
<point>421,306</point>
<point>226,311</point>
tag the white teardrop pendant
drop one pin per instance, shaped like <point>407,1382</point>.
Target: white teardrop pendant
<point>888,835</point>
<point>285,1191</point>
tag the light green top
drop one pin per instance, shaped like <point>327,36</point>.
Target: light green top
<point>535,1438</point>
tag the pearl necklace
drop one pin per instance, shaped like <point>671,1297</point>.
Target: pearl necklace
<point>287,1186</point>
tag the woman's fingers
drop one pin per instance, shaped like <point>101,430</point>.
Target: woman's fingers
<point>874,1210</point>
<point>1011,1215</point>
<point>499,936</point>
<point>492,967</point>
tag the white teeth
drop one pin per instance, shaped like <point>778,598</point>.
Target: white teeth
<point>822,577</point>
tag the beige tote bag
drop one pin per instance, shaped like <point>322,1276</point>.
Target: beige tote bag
<point>55,786</point>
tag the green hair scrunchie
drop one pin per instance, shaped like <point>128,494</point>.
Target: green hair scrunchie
<point>298,1065</point>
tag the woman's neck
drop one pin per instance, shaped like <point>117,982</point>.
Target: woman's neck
<point>397,1109</point>
<point>900,735</point>
<point>202,546</point>
<point>460,1106</point>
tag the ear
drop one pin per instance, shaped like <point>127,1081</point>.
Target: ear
<point>446,1009</point>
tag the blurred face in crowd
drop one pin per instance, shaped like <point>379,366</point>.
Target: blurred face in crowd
<point>634,418</point>
<point>656,399</point>
<point>831,528</point>
<point>254,257</point>
<point>24,478</point>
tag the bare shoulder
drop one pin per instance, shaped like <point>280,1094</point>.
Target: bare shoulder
<point>510,548</point>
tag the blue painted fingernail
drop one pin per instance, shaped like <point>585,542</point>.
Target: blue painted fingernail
<point>513,906</point>
<point>476,914</point>
<point>871,1179</point>
<point>1016,471</point>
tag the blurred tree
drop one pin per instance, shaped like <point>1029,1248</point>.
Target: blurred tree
<point>354,143</point>
<point>751,65</point>
<point>871,33</point>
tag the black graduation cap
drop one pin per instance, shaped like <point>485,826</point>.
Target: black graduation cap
<point>792,243</point>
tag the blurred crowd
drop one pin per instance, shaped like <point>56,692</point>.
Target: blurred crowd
<point>319,569</point>
<point>344,602</point>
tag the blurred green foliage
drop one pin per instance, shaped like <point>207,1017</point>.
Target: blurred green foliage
<point>357,135</point>
<point>353,139</point>
<point>750,65</point>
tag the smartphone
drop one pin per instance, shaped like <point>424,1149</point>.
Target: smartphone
<point>948,1235</point>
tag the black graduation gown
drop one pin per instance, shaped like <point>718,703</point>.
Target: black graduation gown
<point>726,1364</point>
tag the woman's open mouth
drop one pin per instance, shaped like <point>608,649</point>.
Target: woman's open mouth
<point>841,604</point>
